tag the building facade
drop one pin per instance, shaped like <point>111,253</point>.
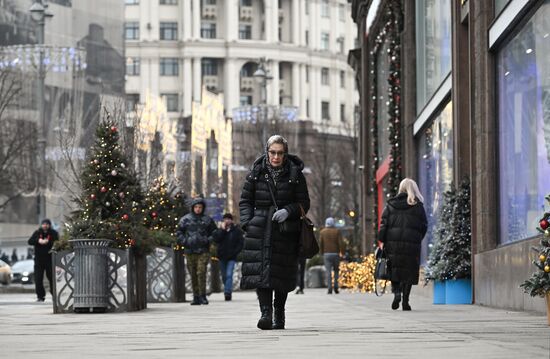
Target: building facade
<point>174,47</point>
<point>452,90</point>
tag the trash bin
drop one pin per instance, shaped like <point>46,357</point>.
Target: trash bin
<point>90,275</point>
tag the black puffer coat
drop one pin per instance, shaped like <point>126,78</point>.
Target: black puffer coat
<point>401,230</point>
<point>270,257</point>
<point>195,231</point>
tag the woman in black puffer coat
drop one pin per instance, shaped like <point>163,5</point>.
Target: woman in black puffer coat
<point>402,229</point>
<point>270,254</point>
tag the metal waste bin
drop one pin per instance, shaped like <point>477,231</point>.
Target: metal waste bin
<point>90,275</point>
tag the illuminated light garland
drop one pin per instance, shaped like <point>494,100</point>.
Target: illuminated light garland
<point>358,276</point>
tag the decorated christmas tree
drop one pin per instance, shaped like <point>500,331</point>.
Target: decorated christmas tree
<point>539,283</point>
<point>436,263</point>
<point>457,252</point>
<point>159,208</point>
<point>110,201</point>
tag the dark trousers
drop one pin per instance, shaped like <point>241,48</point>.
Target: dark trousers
<point>399,288</point>
<point>40,267</point>
<point>301,272</point>
<point>265,297</point>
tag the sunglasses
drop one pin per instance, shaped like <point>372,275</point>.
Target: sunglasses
<point>276,153</point>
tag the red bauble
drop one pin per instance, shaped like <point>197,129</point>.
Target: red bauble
<point>544,223</point>
<point>125,217</point>
<point>133,242</point>
<point>103,189</point>
<point>154,214</point>
<point>114,129</point>
<point>92,196</point>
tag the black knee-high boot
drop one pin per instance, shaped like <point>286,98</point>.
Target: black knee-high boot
<point>265,298</point>
<point>279,307</point>
<point>406,293</point>
<point>396,289</point>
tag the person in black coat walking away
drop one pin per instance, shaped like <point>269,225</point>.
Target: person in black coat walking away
<point>272,195</point>
<point>230,241</point>
<point>42,240</point>
<point>194,233</point>
<point>403,226</point>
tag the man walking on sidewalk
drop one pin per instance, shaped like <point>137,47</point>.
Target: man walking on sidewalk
<point>42,240</point>
<point>230,241</point>
<point>331,247</point>
<point>194,234</point>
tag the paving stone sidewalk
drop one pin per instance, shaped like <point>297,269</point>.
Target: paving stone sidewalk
<point>348,325</point>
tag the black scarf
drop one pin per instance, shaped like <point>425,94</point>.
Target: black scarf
<point>275,172</point>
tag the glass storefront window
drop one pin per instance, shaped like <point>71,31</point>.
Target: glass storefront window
<point>433,47</point>
<point>435,169</point>
<point>500,5</point>
<point>382,74</point>
<point>523,72</point>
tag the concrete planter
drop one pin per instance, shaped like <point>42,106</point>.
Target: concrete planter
<point>126,281</point>
<point>458,291</point>
<point>439,292</point>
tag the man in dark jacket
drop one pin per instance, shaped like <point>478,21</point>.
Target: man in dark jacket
<point>195,235</point>
<point>230,241</point>
<point>42,240</point>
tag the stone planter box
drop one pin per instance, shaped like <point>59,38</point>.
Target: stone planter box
<point>166,276</point>
<point>126,274</point>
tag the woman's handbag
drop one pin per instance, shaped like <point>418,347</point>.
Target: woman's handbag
<point>381,270</point>
<point>308,243</point>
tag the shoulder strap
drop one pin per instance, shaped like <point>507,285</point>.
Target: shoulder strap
<point>272,195</point>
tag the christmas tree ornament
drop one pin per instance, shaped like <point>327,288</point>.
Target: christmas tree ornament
<point>125,217</point>
<point>547,233</point>
<point>542,257</point>
<point>96,161</point>
<point>547,269</point>
<point>108,204</point>
<point>122,165</point>
<point>114,173</point>
<point>103,189</point>
<point>92,196</point>
<point>114,129</point>
<point>544,223</point>
<point>154,214</point>
<point>121,195</point>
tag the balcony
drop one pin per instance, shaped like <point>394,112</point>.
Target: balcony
<point>211,82</point>
<point>245,13</point>
<point>247,83</point>
<point>209,11</point>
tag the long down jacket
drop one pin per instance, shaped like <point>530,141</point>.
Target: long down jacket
<point>401,230</point>
<point>270,257</point>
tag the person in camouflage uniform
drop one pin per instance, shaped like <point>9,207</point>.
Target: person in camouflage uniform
<point>194,233</point>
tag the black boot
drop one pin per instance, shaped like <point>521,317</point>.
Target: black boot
<point>279,318</point>
<point>406,294</point>
<point>203,300</point>
<point>266,319</point>
<point>396,297</point>
<point>196,300</point>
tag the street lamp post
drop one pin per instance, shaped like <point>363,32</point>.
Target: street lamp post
<point>262,76</point>
<point>39,14</point>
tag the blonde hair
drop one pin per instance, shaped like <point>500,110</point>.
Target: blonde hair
<point>410,187</point>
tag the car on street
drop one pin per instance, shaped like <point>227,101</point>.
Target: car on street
<point>23,272</point>
<point>5,273</point>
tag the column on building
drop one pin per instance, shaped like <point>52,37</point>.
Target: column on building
<point>315,100</point>
<point>296,14</point>
<point>196,11</point>
<point>296,84</point>
<point>273,94</point>
<point>197,80</point>
<point>304,89</point>
<point>303,20</point>
<point>187,20</point>
<point>231,20</point>
<point>231,85</point>
<point>314,29</point>
<point>271,20</point>
<point>334,78</point>
<point>187,84</point>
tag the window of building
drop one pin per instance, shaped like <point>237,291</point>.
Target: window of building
<point>433,47</point>
<point>523,103</point>
<point>246,2</point>
<point>500,5</point>
<point>342,79</point>
<point>209,67</point>
<point>131,2</point>
<point>245,32</point>
<point>208,30</point>
<point>132,66</point>
<point>248,69</point>
<point>210,2</point>
<point>131,30</point>
<point>325,8</point>
<point>307,37</point>
<point>168,30</point>
<point>435,169</point>
<point>169,66</point>
<point>171,100</point>
<point>343,112</point>
<point>307,6</point>
<point>132,100</point>
<point>325,41</point>
<point>325,76</point>
<point>325,110</point>
<point>168,2</point>
<point>341,46</point>
<point>342,12</point>
<point>246,100</point>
